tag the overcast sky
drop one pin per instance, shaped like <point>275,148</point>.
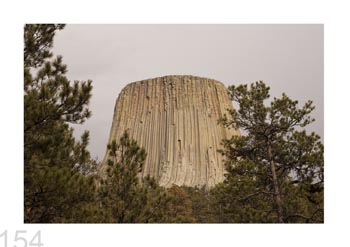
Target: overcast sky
<point>289,58</point>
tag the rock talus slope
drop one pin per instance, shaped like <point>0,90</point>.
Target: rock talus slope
<point>175,119</point>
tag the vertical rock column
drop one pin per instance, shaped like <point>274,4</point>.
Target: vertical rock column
<point>175,119</point>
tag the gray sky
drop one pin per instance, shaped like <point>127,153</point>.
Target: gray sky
<point>289,58</point>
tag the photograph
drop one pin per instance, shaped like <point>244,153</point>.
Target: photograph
<point>173,123</point>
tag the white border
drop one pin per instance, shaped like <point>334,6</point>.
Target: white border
<point>334,15</point>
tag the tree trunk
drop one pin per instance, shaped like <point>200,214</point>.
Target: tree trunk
<point>276,187</point>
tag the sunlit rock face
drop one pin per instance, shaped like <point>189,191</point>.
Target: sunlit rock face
<point>175,118</point>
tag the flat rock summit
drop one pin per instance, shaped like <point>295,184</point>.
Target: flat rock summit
<point>175,118</point>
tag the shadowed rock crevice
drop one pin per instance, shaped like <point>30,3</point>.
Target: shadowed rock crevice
<point>175,119</point>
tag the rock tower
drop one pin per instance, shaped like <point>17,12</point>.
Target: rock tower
<point>175,118</point>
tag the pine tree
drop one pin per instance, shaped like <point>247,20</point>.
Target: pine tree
<point>156,208</point>
<point>179,208</point>
<point>274,170</point>
<point>127,198</point>
<point>201,198</point>
<point>121,195</point>
<point>56,166</point>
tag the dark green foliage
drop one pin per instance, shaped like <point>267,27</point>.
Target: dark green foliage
<point>125,197</point>
<point>202,210</point>
<point>274,171</point>
<point>57,187</point>
<point>121,194</point>
<point>179,208</point>
<point>241,199</point>
<point>60,195</point>
<point>156,209</point>
<point>38,40</point>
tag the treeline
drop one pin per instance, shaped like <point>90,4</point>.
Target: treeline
<point>274,172</point>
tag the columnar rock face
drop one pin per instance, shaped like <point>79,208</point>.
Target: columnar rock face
<point>175,118</point>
